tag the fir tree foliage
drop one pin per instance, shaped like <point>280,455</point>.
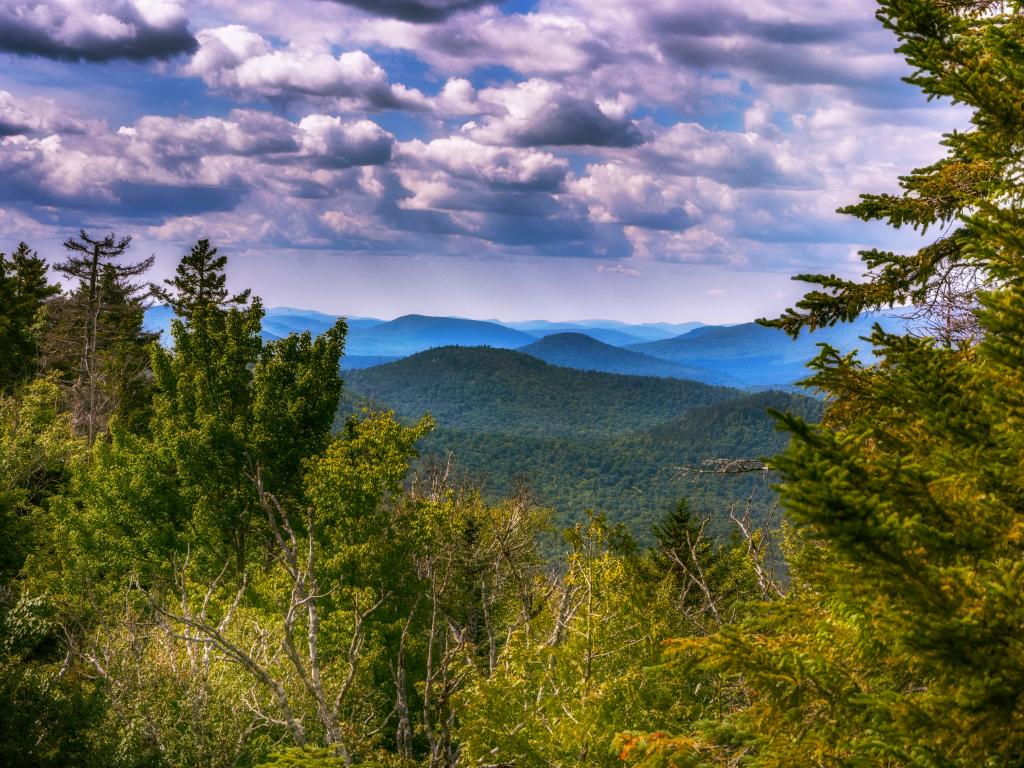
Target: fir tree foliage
<point>24,291</point>
<point>967,51</point>
<point>899,643</point>
<point>199,282</point>
<point>97,331</point>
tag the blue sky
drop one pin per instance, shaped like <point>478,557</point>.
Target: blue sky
<point>651,160</point>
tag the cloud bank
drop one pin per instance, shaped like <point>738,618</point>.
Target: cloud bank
<point>712,133</point>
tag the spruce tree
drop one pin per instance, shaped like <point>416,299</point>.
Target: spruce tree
<point>24,290</point>
<point>967,51</point>
<point>199,282</point>
<point>900,641</point>
<point>102,320</point>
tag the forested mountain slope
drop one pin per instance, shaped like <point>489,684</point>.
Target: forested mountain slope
<point>635,478</point>
<point>582,440</point>
<point>494,390</point>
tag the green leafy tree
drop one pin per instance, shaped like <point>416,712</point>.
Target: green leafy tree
<point>576,671</point>
<point>49,709</point>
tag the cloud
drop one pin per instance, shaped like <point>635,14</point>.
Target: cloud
<point>161,168</point>
<point>236,60</point>
<point>95,30</point>
<point>697,245</point>
<point>738,159</point>
<point>459,177</point>
<point>714,132</point>
<point>36,115</point>
<point>509,168</point>
<point>541,113</point>
<point>618,194</point>
<point>539,43</point>
<point>417,11</point>
<point>243,132</point>
<point>802,44</point>
<point>333,143</point>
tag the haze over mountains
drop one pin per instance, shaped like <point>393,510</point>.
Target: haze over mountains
<point>586,353</point>
<point>744,356</point>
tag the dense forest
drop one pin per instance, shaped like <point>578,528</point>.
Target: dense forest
<point>627,446</point>
<point>201,568</point>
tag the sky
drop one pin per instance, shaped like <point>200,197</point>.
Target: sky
<point>649,160</point>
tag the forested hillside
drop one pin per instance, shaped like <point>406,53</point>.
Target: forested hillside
<point>495,390</point>
<point>636,478</point>
<point>619,445</point>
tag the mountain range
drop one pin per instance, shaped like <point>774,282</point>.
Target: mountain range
<point>746,355</point>
<point>588,424</point>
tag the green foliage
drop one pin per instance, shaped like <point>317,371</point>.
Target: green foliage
<point>970,52</point>
<point>584,440</point>
<point>35,439</point>
<point>47,716</point>
<point>24,290</point>
<point>899,641</point>
<point>486,390</point>
<point>95,336</point>
<point>324,758</point>
<point>199,283</point>
<point>226,407</point>
<point>634,477</point>
<point>585,664</point>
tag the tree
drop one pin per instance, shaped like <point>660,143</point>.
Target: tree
<point>24,290</point>
<point>102,318</point>
<point>709,579</point>
<point>47,713</point>
<point>964,50</point>
<point>899,643</point>
<point>199,282</point>
<point>576,670</point>
<point>184,518</point>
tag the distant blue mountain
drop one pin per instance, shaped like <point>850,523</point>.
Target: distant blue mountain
<point>278,322</point>
<point>759,356</point>
<point>410,334</point>
<point>607,331</point>
<point>606,335</point>
<point>745,355</point>
<point>584,353</point>
<point>664,330</point>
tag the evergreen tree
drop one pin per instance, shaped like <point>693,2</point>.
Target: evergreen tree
<point>899,643</point>
<point>708,578</point>
<point>199,282</point>
<point>24,290</point>
<point>102,320</point>
<point>967,51</point>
